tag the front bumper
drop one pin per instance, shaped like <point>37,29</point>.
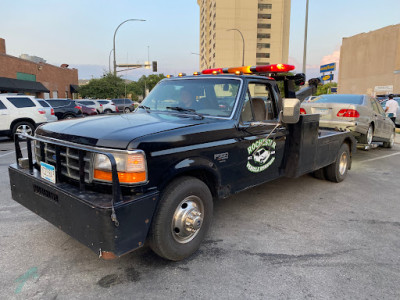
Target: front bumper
<point>86,215</point>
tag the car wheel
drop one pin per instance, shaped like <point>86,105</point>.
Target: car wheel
<point>85,115</point>
<point>337,171</point>
<point>367,139</point>
<point>108,111</point>
<point>127,110</point>
<point>182,219</point>
<point>23,127</point>
<point>69,116</point>
<point>390,143</point>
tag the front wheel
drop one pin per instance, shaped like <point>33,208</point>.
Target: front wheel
<point>337,171</point>
<point>390,143</point>
<point>182,219</point>
<point>127,110</point>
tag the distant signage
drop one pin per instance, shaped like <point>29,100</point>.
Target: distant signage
<point>327,68</point>
<point>327,77</point>
<point>383,89</point>
<point>333,90</point>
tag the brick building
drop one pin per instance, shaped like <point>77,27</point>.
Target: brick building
<point>40,79</point>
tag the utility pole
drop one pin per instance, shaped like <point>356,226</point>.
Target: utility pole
<point>305,40</point>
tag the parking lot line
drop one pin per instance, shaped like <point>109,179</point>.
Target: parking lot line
<point>11,152</point>
<point>380,157</point>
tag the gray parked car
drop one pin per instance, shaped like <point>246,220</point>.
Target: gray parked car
<point>361,114</point>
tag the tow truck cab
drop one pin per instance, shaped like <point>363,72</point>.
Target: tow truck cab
<point>115,182</point>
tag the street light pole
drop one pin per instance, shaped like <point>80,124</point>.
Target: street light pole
<point>115,32</point>
<point>242,40</point>
<point>305,40</point>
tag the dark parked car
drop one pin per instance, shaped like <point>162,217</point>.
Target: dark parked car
<point>65,108</point>
<point>124,105</point>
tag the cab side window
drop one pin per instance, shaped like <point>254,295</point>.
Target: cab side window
<point>2,106</point>
<point>259,103</point>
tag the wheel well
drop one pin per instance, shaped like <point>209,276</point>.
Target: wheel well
<point>373,126</point>
<point>22,120</point>
<point>206,176</point>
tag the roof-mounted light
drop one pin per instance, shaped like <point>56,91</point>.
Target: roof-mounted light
<point>275,68</point>
<point>196,73</point>
<point>169,76</point>
<point>210,71</point>
<point>181,74</point>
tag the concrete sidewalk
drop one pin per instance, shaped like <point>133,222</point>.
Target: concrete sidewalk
<point>397,138</point>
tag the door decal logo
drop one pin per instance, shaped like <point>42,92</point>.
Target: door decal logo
<point>261,155</point>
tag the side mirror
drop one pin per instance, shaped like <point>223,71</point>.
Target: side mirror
<point>291,111</point>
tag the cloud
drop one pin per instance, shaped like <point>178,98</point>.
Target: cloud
<point>331,58</point>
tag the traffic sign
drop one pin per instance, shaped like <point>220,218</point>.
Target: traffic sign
<point>327,68</point>
<point>327,77</point>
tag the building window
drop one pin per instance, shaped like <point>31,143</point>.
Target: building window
<point>267,26</point>
<point>263,45</point>
<point>263,35</point>
<point>259,63</point>
<point>264,6</point>
<point>264,16</point>
<point>55,94</point>
<point>262,55</point>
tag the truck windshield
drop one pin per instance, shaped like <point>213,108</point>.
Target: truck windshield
<point>208,96</point>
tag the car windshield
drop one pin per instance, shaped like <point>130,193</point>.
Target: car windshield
<point>348,99</point>
<point>212,97</point>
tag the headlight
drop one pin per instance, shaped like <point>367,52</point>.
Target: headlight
<point>131,167</point>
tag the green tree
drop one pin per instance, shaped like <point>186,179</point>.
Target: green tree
<point>325,88</point>
<point>139,87</point>
<point>109,86</point>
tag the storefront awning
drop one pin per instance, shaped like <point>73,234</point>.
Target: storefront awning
<point>16,86</point>
<point>74,88</point>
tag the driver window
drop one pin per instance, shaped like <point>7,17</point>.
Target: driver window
<point>259,105</point>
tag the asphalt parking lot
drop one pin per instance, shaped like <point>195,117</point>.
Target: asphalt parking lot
<point>288,239</point>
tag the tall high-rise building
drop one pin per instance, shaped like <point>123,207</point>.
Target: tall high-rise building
<point>264,25</point>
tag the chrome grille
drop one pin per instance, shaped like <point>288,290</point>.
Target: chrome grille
<point>69,160</point>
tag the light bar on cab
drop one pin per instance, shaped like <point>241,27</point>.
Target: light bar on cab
<point>276,68</point>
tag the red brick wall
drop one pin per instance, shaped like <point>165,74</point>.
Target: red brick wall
<point>52,77</point>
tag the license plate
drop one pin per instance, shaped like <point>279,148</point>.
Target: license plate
<point>322,111</point>
<point>48,172</point>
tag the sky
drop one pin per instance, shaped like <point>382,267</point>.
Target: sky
<point>80,32</point>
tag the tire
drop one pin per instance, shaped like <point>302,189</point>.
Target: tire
<point>390,142</point>
<point>23,127</point>
<point>68,116</point>
<point>337,171</point>
<point>367,139</point>
<point>319,174</point>
<point>182,219</point>
<point>127,110</point>
<point>108,111</point>
<point>85,115</point>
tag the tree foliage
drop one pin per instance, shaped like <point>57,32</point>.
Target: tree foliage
<point>325,88</point>
<point>138,88</point>
<point>109,86</point>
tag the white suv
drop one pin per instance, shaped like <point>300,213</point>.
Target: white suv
<point>20,114</point>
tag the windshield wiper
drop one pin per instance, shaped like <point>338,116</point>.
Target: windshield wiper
<point>178,108</point>
<point>144,107</point>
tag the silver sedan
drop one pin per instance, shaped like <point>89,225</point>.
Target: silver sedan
<point>360,114</point>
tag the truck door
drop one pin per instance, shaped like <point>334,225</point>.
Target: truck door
<point>262,137</point>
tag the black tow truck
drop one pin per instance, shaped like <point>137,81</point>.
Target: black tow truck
<point>116,182</point>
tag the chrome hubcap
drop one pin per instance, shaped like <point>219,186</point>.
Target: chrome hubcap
<point>343,163</point>
<point>391,140</point>
<point>24,129</point>
<point>187,219</point>
<point>369,135</point>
